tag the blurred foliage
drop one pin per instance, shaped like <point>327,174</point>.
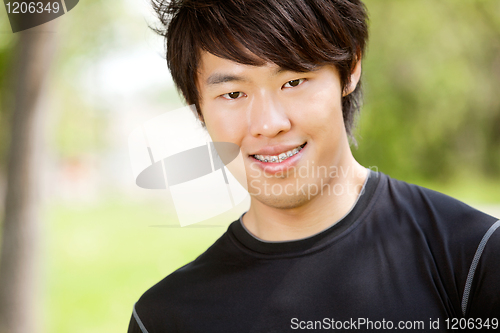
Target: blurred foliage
<point>87,34</point>
<point>95,28</point>
<point>7,42</point>
<point>432,77</point>
<point>80,128</point>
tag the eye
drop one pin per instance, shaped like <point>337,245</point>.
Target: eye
<point>233,95</point>
<point>293,83</point>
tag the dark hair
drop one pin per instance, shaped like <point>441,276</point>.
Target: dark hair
<point>297,35</point>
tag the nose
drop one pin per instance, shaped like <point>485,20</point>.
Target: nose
<point>268,116</point>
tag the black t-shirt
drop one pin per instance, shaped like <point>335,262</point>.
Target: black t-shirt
<point>404,255</point>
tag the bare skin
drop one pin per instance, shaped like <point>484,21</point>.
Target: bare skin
<point>266,110</point>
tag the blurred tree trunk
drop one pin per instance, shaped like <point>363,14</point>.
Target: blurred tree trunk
<point>19,260</point>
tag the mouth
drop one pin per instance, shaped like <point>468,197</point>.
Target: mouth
<point>280,157</point>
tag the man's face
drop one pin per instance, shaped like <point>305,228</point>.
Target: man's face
<point>292,118</point>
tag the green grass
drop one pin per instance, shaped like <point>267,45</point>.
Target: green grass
<point>469,189</point>
<point>100,259</point>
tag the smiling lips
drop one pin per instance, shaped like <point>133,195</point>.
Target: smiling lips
<point>279,158</point>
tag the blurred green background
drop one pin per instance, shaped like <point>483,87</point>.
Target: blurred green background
<point>431,117</point>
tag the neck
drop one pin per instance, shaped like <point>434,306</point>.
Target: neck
<point>322,211</point>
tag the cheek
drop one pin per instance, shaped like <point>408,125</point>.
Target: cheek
<point>321,110</point>
<point>222,125</point>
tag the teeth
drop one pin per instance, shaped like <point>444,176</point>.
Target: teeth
<point>279,158</point>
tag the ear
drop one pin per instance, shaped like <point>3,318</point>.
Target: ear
<point>355,76</point>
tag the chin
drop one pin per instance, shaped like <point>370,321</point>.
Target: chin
<point>284,201</point>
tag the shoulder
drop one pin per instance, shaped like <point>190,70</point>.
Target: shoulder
<point>171,297</point>
<point>433,209</point>
<point>450,229</point>
<point>464,241</point>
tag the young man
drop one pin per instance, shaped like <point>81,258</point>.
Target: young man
<point>326,243</point>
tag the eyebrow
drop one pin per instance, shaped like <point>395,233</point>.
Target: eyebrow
<point>219,78</point>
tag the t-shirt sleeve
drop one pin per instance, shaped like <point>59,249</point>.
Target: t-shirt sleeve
<point>484,297</point>
<point>135,325</point>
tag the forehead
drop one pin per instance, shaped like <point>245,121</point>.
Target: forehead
<point>214,70</point>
